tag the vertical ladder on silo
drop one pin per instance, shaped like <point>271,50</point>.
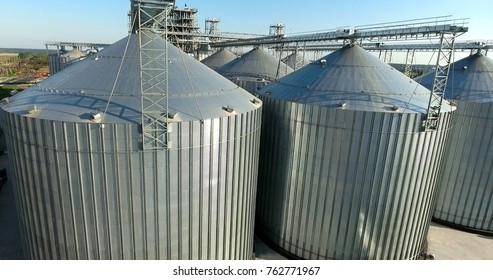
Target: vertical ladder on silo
<point>153,27</point>
<point>408,67</point>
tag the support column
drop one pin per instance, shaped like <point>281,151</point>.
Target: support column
<point>442,68</point>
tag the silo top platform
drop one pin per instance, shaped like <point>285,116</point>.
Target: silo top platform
<point>352,78</point>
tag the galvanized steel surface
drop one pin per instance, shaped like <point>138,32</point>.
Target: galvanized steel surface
<point>356,79</point>
<point>256,63</point>
<point>58,63</point>
<point>343,183</point>
<point>470,79</point>
<point>465,187</point>
<point>86,190</point>
<point>195,91</point>
<point>465,195</point>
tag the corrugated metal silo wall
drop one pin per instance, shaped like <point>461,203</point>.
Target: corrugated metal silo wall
<point>54,63</point>
<point>85,192</point>
<point>465,194</point>
<point>250,84</point>
<point>342,184</point>
<point>58,63</point>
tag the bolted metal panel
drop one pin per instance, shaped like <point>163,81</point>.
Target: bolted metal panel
<point>344,184</point>
<point>86,192</point>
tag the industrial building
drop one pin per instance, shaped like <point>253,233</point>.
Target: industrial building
<point>183,29</point>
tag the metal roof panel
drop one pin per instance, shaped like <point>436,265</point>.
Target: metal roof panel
<point>219,59</point>
<point>354,79</point>
<point>255,63</point>
<point>470,79</point>
<point>196,92</point>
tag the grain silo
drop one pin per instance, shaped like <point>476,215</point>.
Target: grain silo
<point>219,59</point>
<point>74,54</point>
<point>346,169</point>
<point>63,59</point>
<point>88,183</point>
<point>465,188</point>
<point>254,69</point>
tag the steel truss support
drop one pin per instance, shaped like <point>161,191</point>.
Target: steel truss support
<point>296,59</point>
<point>388,56</point>
<point>303,57</point>
<point>154,73</point>
<point>278,73</point>
<point>444,59</point>
<point>299,55</point>
<point>408,67</point>
<point>480,51</point>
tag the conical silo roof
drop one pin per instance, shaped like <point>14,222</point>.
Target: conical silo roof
<point>73,54</point>
<point>354,78</point>
<point>470,79</point>
<point>219,59</point>
<point>255,63</point>
<point>195,92</point>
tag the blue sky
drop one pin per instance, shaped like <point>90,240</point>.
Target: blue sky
<point>30,23</point>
